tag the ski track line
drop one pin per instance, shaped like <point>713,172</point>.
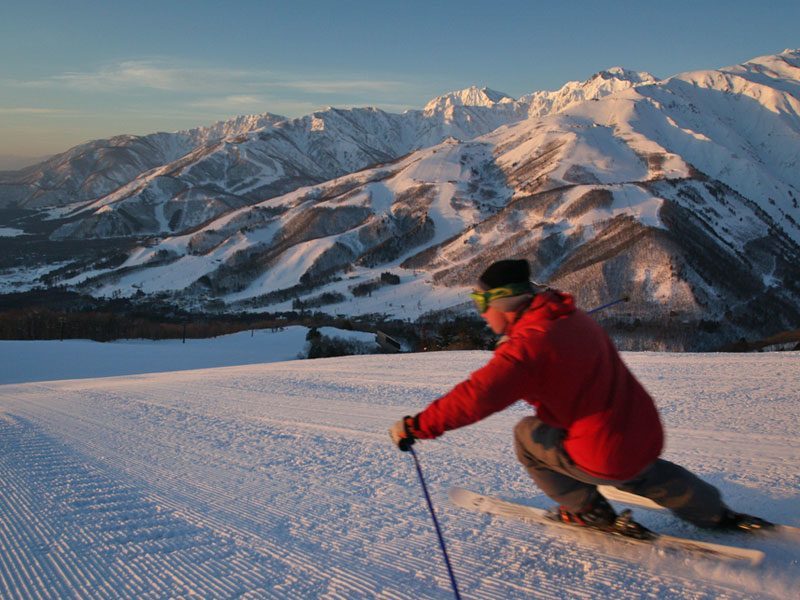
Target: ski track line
<point>360,588</point>
<point>27,526</point>
<point>222,500</point>
<point>291,414</point>
<point>88,578</point>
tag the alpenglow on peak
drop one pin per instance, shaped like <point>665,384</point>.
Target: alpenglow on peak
<point>471,96</point>
<point>623,74</point>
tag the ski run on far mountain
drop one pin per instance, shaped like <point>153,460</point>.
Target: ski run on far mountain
<point>681,193</point>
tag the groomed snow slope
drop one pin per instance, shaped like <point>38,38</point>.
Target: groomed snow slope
<point>82,359</point>
<point>279,481</point>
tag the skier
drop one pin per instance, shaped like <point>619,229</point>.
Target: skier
<point>595,424</point>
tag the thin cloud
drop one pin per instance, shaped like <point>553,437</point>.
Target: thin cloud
<point>164,90</point>
<point>153,75</point>
<point>124,75</point>
<point>160,75</point>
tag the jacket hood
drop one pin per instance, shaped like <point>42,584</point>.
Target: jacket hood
<point>545,306</point>
<point>549,305</point>
<point>552,304</point>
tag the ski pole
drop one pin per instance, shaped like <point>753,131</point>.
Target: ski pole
<point>612,303</point>
<point>435,521</point>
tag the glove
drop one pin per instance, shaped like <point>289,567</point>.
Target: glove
<point>402,433</point>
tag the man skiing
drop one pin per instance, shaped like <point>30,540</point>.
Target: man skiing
<point>595,424</point>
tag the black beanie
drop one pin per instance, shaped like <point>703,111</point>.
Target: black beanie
<point>505,272</point>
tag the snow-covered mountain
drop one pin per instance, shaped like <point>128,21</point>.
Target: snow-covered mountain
<point>472,96</point>
<point>170,183</point>
<point>233,172</point>
<point>96,168</point>
<point>601,84</point>
<point>682,193</point>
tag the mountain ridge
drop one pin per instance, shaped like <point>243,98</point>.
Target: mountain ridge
<point>51,183</point>
<point>680,192</point>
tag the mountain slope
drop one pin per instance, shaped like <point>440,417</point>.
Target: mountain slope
<point>245,160</point>
<point>681,193</point>
<point>97,168</point>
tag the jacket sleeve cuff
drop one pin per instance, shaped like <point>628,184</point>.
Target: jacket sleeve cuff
<point>414,426</point>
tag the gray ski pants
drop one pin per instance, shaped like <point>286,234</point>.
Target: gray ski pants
<point>539,448</point>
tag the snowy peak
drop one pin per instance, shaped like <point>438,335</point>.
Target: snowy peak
<point>602,84</point>
<point>471,96</point>
<point>781,71</point>
<point>787,62</point>
<point>791,55</point>
<point>233,127</point>
<point>622,74</point>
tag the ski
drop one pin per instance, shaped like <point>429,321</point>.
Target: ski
<point>529,514</point>
<point>615,495</point>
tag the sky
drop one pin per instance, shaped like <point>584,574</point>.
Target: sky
<point>87,69</point>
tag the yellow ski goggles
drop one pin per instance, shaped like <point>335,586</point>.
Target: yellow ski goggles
<point>482,299</point>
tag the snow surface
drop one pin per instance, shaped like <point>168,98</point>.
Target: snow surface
<point>22,279</point>
<point>25,361</point>
<point>279,481</point>
<point>11,232</point>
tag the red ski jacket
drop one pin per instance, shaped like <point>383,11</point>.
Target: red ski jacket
<point>564,364</point>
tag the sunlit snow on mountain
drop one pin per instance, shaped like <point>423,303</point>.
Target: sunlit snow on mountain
<point>680,192</point>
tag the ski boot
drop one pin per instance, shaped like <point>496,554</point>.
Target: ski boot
<point>734,521</point>
<point>600,515</point>
<point>625,525</point>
